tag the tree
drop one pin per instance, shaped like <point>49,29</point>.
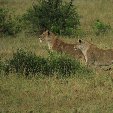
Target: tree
<point>55,15</point>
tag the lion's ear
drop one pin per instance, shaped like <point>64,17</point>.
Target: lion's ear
<point>80,41</point>
<point>48,32</point>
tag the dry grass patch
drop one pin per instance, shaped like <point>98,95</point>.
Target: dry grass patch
<point>69,95</point>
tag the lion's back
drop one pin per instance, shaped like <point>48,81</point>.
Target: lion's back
<point>99,56</point>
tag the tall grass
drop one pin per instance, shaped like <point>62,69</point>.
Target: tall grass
<point>69,95</point>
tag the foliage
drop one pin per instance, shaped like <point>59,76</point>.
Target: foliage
<point>28,63</point>
<point>9,25</point>
<point>100,28</point>
<point>55,15</point>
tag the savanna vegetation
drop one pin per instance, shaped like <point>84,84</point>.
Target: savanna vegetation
<point>33,80</point>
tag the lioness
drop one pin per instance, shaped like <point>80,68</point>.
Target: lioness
<point>94,55</point>
<point>58,45</point>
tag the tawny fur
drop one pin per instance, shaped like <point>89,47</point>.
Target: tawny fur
<point>54,43</point>
<point>94,55</point>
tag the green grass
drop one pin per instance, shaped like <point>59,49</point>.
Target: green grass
<point>8,45</point>
<point>58,95</point>
<point>51,95</point>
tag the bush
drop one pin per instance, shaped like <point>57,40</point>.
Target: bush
<point>64,66</point>
<point>9,25</point>
<point>28,63</point>
<point>100,28</point>
<point>55,15</point>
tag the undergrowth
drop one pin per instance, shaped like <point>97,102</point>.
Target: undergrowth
<point>27,63</point>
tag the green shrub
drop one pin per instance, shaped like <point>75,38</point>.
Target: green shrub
<point>55,15</point>
<point>9,24</point>
<point>100,28</point>
<point>27,63</point>
<point>63,64</point>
